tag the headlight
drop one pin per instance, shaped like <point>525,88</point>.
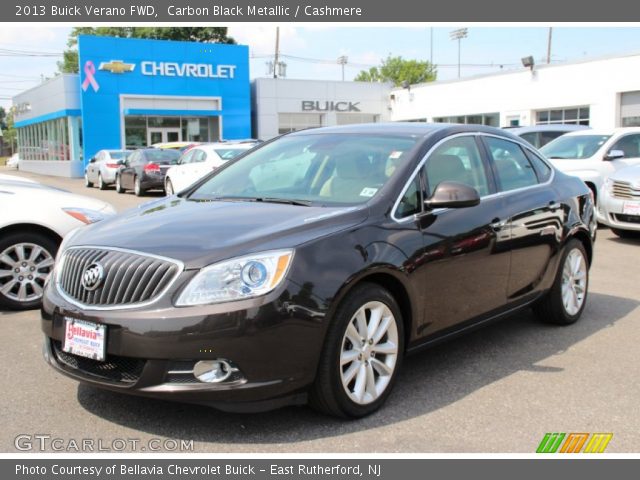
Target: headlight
<point>85,215</point>
<point>237,279</point>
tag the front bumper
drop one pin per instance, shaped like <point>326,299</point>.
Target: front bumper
<point>150,352</point>
<point>611,214</point>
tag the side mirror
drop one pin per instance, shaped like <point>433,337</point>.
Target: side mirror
<point>614,155</point>
<point>453,195</point>
<point>93,160</point>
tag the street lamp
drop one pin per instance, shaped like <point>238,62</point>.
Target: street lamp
<point>342,60</point>
<point>458,35</point>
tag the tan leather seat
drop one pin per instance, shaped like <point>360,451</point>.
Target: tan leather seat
<point>352,174</point>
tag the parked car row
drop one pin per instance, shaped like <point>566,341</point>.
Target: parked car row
<point>169,167</point>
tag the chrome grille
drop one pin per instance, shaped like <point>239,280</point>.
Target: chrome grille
<point>624,190</point>
<point>129,278</point>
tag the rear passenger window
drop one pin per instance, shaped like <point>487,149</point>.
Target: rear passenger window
<point>512,166</point>
<point>457,160</point>
<point>542,169</point>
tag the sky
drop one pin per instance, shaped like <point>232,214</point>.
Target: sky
<point>485,50</point>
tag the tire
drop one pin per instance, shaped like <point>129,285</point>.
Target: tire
<point>119,188</point>
<point>33,254</point>
<point>101,184</point>
<point>137,187</point>
<point>625,233</point>
<point>87,183</point>
<point>328,393</point>
<point>168,187</point>
<point>552,308</point>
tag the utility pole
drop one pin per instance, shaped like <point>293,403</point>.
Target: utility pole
<point>276,59</point>
<point>549,45</point>
<point>431,48</point>
<point>342,60</point>
<point>458,35</point>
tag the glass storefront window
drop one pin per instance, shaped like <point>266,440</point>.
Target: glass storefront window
<point>567,116</point>
<point>490,119</point>
<point>45,141</point>
<point>192,129</point>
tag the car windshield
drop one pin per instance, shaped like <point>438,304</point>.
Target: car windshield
<point>117,154</point>
<point>574,146</point>
<point>229,153</point>
<point>163,157</point>
<point>315,168</point>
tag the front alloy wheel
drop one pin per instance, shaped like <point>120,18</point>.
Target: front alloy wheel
<point>26,260</point>
<point>87,183</point>
<point>362,354</point>
<point>369,353</point>
<point>168,187</point>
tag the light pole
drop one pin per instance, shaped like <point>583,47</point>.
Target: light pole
<point>458,35</point>
<point>342,60</point>
<point>549,44</point>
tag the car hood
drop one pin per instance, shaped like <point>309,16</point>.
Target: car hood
<point>628,174</point>
<point>201,233</point>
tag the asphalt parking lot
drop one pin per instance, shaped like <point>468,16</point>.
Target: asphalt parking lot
<point>499,389</point>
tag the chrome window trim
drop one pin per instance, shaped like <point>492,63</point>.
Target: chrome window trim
<point>68,298</point>
<point>522,144</point>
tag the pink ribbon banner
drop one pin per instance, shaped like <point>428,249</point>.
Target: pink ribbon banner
<point>89,78</point>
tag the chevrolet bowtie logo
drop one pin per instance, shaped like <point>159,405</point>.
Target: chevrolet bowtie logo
<point>117,66</point>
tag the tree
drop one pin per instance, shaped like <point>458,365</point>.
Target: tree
<point>69,63</point>
<point>7,129</point>
<point>398,70</point>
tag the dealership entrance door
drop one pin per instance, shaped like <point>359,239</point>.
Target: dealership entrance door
<point>163,135</point>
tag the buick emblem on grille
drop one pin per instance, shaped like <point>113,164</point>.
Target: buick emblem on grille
<point>93,276</point>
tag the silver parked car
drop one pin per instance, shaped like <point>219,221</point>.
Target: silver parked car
<point>101,169</point>
<point>540,135</point>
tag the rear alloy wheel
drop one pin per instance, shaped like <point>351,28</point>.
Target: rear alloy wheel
<point>566,299</point>
<point>26,260</point>
<point>87,183</point>
<point>137,187</point>
<point>362,354</point>
<point>168,187</point>
<point>119,188</point>
<point>101,184</point>
<point>625,233</point>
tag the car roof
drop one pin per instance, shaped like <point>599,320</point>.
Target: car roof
<point>605,131</point>
<point>414,129</point>
<point>546,128</point>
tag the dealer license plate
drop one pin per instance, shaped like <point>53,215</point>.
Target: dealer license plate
<point>85,339</point>
<point>631,208</point>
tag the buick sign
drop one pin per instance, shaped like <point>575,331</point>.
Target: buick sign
<point>316,106</point>
<point>92,276</point>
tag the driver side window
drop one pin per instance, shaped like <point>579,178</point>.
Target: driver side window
<point>630,145</point>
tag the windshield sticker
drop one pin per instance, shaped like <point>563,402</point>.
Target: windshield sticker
<point>395,154</point>
<point>368,192</point>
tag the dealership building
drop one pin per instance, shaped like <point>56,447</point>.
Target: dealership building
<point>601,93</point>
<point>132,93</point>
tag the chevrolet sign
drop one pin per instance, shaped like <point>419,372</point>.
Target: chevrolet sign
<point>198,70</point>
<point>117,66</point>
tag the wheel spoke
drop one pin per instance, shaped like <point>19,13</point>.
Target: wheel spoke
<point>382,329</point>
<point>381,367</point>
<point>35,252</point>
<point>353,335</point>
<point>46,263</point>
<point>348,357</point>
<point>361,319</point>
<point>374,322</point>
<point>6,259</point>
<point>6,273</point>
<point>361,383</point>
<point>371,382</point>
<point>19,249</point>
<point>386,348</point>
<point>7,287</point>
<point>350,373</point>
<point>37,289</point>
<point>22,292</point>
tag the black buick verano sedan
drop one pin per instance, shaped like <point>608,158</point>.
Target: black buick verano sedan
<point>307,268</point>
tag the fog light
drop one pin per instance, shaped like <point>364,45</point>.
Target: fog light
<point>213,371</point>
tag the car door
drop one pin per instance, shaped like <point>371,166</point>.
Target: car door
<point>92,168</point>
<point>128,171</point>
<point>464,270</point>
<point>534,209</point>
<point>201,164</point>
<point>179,173</point>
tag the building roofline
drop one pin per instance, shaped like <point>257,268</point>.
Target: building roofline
<point>513,71</point>
<point>48,80</point>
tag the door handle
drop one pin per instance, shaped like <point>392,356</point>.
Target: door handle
<point>554,205</point>
<point>497,224</point>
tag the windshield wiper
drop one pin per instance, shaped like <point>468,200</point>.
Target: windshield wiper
<point>556,157</point>
<point>288,201</point>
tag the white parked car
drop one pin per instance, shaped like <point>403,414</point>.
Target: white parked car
<point>594,155</point>
<point>200,160</point>
<point>101,169</point>
<point>620,202</point>
<point>34,220</point>
<point>14,161</point>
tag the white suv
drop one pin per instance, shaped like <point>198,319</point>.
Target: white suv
<point>594,155</point>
